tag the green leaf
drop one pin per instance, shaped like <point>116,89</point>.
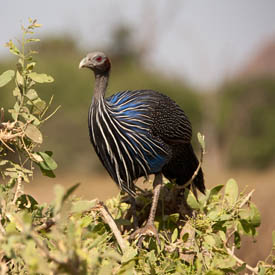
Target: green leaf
<point>129,254</point>
<point>13,49</point>
<point>39,106</point>
<point>215,190</point>
<point>175,235</point>
<point>261,270</point>
<point>6,77</point>
<point>255,215</point>
<point>70,191</point>
<point>32,94</point>
<point>210,240</point>
<point>237,239</point>
<point>231,192</point>
<point>41,78</point>
<point>83,206</point>
<point>34,134</point>
<point>47,173</point>
<point>191,199</point>
<point>213,214</point>
<point>33,39</point>
<point>185,237</point>
<point>201,140</point>
<point>48,163</point>
<point>59,192</point>
<point>240,268</point>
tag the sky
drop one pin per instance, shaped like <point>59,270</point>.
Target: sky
<point>203,42</point>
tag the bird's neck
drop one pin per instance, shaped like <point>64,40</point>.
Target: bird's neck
<point>101,83</point>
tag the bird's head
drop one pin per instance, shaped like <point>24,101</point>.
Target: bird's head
<point>96,61</point>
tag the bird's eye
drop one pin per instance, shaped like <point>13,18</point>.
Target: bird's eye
<point>99,59</point>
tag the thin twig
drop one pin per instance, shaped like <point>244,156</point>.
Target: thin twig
<point>247,198</point>
<point>109,219</point>
<point>46,225</point>
<point>18,191</point>
<point>241,262</point>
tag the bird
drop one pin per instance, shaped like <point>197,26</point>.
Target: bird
<point>140,133</point>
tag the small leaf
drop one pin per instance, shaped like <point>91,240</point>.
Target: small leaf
<point>185,237</point>
<point>129,254</point>
<point>70,191</point>
<point>34,134</point>
<point>191,199</point>
<point>201,141</point>
<point>32,94</point>
<point>13,49</point>
<point>83,206</point>
<point>255,215</point>
<point>175,235</point>
<point>6,77</point>
<point>40,78</point>
<point>261,270</point>
<point>237,239</point>
<point>215,190</point>
<point>33,39</point>
<point>240,268</point>
<point>48,163</point>
<point>210,240</point>
<point>39,105</point>
<point>213,214</point>
<point>231,192</point>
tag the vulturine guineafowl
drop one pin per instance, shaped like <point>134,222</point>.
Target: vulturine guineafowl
<point>138,133</point>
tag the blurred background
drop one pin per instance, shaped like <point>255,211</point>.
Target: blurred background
<point>215,58</point>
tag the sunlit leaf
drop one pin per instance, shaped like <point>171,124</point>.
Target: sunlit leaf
<point>6,77</point>
<point>41,78</point>
<point>231,192</point>
<point>201,140</point>
<point>129,254</point>
<point>83,205</point>
<point>174,235</point>
<point>191,199</point>
<point>48,163</point>
<point>34,134</point>
<point>255,215</point>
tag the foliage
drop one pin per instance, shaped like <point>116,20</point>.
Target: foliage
<point>74,236</point>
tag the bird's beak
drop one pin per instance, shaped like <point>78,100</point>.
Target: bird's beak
<point>83,63</point>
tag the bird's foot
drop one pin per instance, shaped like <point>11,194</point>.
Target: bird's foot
<point>148,230</point>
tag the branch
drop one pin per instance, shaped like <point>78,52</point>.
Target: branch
<point>241,262</point>
<point>109,219</point>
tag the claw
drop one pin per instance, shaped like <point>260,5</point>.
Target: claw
<point>148,230</point>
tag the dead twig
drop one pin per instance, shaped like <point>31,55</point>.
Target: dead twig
<point>109,219</point>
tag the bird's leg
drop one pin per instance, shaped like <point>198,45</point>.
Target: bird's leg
<point>149,228</point>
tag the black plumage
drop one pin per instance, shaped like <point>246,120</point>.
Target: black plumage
<point>138,133</point>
